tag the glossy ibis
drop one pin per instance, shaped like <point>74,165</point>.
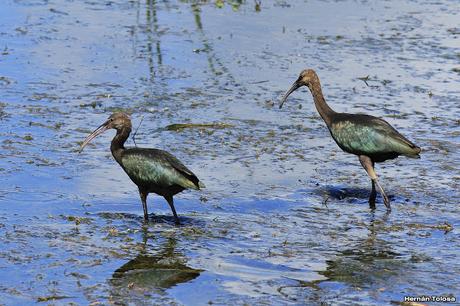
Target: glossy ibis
<point>372,139</point>
<point>152,170</point>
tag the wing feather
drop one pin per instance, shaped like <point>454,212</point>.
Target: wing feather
<point>153,166</point>
<point>362,134</point>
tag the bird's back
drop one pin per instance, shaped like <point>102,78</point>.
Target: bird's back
<point>157,170</point>
<point>367,135</point>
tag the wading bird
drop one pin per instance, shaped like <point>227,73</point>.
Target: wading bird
<point>372,139</point>
<point>152,170</point>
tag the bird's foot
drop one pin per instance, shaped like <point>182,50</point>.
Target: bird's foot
<point>372,198</point>
<point>372,203</point>
<point>177,221</point>
<point>386,201</point>
<point>149,217</point>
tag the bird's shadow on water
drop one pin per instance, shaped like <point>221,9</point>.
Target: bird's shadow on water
<point>154,219</point>
<point>341,192</point>
<point>166,219</point>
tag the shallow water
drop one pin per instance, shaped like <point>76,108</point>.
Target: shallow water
<point>284,218</point>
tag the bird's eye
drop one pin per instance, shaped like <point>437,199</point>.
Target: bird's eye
<point>111,119</point>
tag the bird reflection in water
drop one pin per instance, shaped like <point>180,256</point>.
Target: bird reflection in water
<point>370,262</point>
<point>151,274</point>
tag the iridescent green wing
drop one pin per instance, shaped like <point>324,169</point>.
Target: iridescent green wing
<point>151,166</point>
<point>370,136</point>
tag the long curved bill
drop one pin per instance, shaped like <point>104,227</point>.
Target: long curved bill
<point>101,129</point>
<point>293,88</point>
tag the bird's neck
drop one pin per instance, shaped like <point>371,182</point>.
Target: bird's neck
<point>322,107</point>
<point>117,146</point>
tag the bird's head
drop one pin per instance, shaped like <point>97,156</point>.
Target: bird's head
<point>307,77</point>
<point>117,121</point>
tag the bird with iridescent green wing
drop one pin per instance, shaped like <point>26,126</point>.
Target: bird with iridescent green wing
<point>152,170</point>
<point>372,139</point>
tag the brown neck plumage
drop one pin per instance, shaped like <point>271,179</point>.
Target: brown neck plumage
<point>320,103</point>
<point>117,146</point>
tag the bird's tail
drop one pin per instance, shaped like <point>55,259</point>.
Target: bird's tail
<point>195,184</point>
<point>405,147</point>
<point>415,152</point>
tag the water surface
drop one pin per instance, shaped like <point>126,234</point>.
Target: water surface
<point>284,218</point>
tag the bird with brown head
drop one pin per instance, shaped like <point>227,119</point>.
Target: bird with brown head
<point>152,170</point>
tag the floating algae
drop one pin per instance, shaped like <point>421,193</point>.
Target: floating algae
<point>182,126</point>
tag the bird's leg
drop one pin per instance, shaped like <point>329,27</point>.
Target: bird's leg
<point>372,196</point>
<point>386,200</point>
<point>171,204</point>
<point>143,195</point>
<point>368,165</point>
